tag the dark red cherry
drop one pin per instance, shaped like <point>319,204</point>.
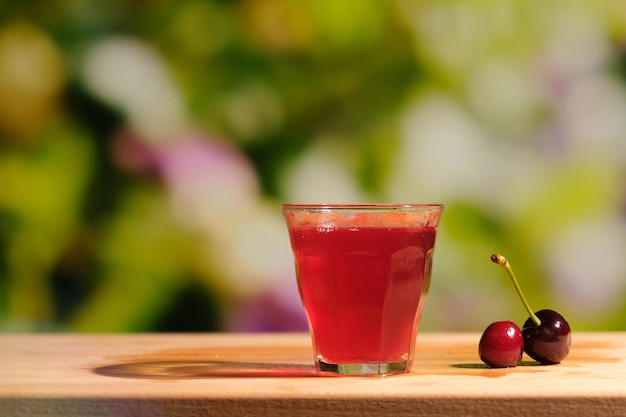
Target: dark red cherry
<point>547,335</point>
<point>501,345</point>
<point>549,342</point>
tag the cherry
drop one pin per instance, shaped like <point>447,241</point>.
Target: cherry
<point>501,345</point>
<point>549,342</point>
<point>547,335</point>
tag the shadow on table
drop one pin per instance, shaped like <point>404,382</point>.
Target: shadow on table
<point>188,369</point>
<point>483,366</point>
<point>181,369</point>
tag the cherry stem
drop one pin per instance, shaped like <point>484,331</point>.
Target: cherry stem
<point>503,262</point>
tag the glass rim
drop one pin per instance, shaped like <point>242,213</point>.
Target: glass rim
<point>363,206</point>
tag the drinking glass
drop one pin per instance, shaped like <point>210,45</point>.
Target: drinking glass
<point>363,273</point>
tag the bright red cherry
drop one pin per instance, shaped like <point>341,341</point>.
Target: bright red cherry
<point>501,345</point>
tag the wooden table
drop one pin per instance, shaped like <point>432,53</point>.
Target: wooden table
<point>272,375</point>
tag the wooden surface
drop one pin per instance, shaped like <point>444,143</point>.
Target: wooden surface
<point>272,374</point>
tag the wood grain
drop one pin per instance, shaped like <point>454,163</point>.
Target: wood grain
<point>273,375</point>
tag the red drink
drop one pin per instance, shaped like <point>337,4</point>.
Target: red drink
<point>363,279</point>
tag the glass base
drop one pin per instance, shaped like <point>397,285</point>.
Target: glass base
<point>363,369</point>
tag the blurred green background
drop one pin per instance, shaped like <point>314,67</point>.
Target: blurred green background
<point>146,147</point>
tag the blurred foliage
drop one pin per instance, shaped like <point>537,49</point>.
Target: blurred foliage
<point>146,146</point>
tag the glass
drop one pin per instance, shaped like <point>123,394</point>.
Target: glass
<point>363,274</point>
